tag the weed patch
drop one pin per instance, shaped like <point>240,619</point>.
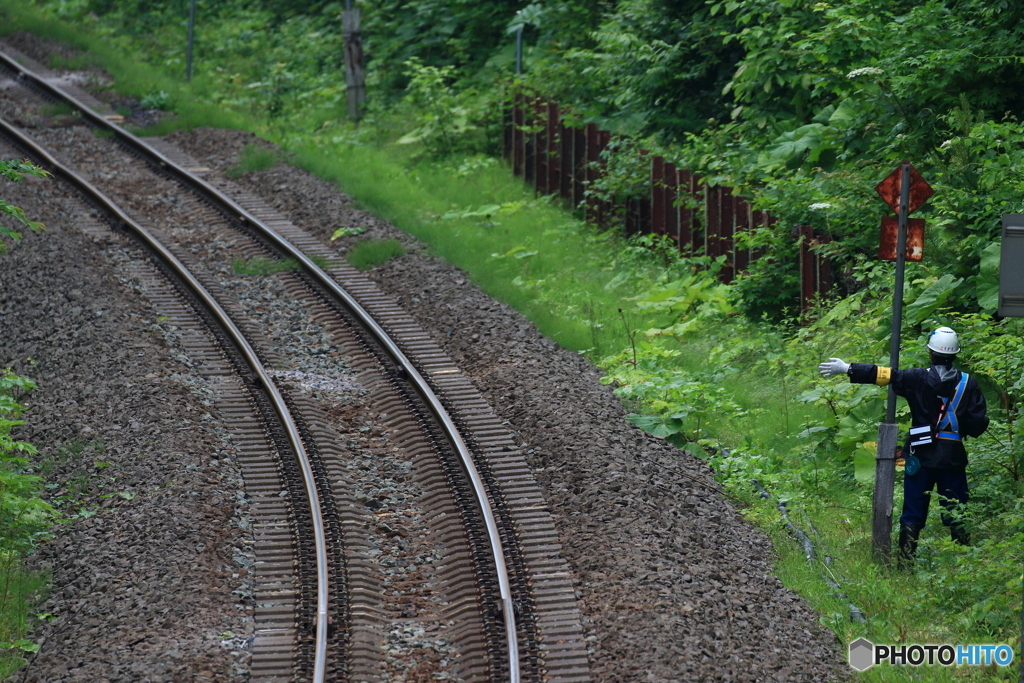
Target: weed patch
<point>369,254</point>
<point>253,159</point>
<point>56,109</point>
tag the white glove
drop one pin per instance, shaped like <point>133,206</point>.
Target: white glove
<point>833,366</point>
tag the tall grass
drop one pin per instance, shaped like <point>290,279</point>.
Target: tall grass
<point>530,253</point>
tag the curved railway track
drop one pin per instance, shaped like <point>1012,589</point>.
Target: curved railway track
<point>519,619</point>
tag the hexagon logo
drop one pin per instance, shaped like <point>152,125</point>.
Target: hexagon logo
<point>862,654</point>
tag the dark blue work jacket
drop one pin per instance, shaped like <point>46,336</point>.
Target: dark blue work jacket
<point>926,394</point>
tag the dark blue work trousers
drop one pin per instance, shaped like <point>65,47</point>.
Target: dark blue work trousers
<point>952,484</point>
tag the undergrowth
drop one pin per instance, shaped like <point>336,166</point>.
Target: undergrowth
<point>24,518</point>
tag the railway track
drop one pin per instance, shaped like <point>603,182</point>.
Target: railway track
<point>497,590</point>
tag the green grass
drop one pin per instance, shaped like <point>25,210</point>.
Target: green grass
<point>57,109</point>
<point>20,591</point>
<point>253,159</point>
<point>189,101</point>
<point>901,607</point>
<point>367,254</point>
<point>532,253</point>
<point>269,266</point>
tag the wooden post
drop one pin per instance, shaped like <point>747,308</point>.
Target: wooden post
<point>592,210</point>
<point>508,128</point>
<point>712,218</point>
<point>579,166</point>
<point>191,39</point>
<point>807,269</point>
<point>742,254</point>
<point>518,136</point>
<point>529,140</point>
<point>725,232</point>
<point>881,501</point>
<point>604,208</point>
<point>566,138</point>
<point>824,264</point>
<point>669,204</point>
<point>540,146</point>
<point>658,195</point>
<point>355,72</point>
<point>554,160</point>
<point>684,185</point>
<point>643,212</point>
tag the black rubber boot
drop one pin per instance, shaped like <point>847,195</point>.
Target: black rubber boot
<point>908,545</point>
<point>959,535</point>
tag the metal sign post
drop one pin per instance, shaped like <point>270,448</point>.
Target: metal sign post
<point>904,190</point>
<point>897,296</point>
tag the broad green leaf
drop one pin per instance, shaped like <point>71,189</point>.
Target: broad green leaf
<point>656,425</point>
<point>812,395</point>
<point>931,299</point>
<point>987,287</point>
<point>844,114</point>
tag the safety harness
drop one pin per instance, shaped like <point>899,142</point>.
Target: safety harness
<point>948,427</point>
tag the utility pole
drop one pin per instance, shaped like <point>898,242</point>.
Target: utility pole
<point>355,73</point>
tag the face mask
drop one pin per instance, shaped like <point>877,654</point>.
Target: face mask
<point>944,372</point>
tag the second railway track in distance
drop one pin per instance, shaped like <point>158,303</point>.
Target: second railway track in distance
<point>428,569</point>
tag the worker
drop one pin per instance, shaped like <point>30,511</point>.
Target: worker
<point>945,406</point>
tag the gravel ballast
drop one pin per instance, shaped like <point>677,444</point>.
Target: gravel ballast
<point>148,574</point>
<point>675,584</point>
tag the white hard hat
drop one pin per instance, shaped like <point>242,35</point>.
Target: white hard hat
<point>944,341</point>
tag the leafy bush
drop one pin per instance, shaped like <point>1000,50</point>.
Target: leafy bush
<point>14,170</point>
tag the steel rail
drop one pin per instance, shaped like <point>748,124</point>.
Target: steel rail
<point>381,336</point>
<point>236,336</point>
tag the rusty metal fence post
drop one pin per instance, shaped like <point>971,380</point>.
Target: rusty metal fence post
<point>658,195</point>
<point>815,269</point>
<point>669,203</point>
<point>741,251</point>
<point>551,184</point>
<point>591,157</point>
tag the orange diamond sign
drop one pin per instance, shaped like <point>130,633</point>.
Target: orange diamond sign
<point>889,190</point>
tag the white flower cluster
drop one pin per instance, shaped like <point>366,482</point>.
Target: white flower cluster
<point>820,206</point>
<point>865,71</point>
